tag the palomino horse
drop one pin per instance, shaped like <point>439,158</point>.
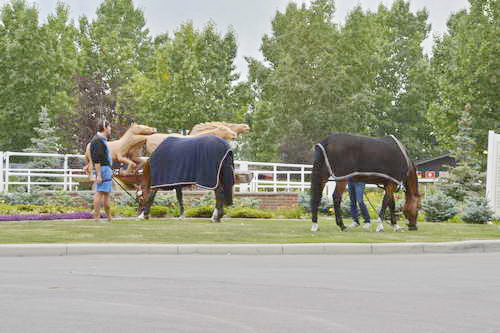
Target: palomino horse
<point>126,149</point>
<point>382,161</point>
<point>204,127</point>
<point>224,132</point>
<point>206,161</point>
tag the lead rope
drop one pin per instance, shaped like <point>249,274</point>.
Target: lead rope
<point>378,213</point>
<point>135,198</point>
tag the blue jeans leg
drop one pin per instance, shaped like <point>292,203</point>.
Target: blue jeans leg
<point>352,197</point>
<point>360,189</point>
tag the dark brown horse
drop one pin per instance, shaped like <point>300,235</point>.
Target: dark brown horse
<point>205,161</point>
<point>382,161</point>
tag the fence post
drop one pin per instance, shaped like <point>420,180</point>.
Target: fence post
<point>1,171</point>
<point>275,178</point>
<point>29,180</point>
<point>244,167</point>
<point>288,181</point>
<point>302,179</point>
<point>65,172</point>
<point>7,166</point>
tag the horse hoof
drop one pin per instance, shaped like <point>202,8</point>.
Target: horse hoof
<point>314,227</point>
<point>397,228</point>
<point>412,227</point>
<point>141,216</point>
<point>182,217</point>
<point>380,228</point>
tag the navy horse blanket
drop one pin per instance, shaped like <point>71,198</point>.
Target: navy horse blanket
<point>204,160</point>
<point>348,155</point>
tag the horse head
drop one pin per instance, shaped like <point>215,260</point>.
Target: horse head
<point>217,128</point>
<point>238,128</point>
<point>412,202</point>
<point>141,129</point>
<point>225,133</point>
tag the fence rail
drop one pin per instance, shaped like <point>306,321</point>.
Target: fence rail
<point>270,177</point>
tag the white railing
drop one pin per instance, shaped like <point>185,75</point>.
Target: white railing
<point>267,177</point>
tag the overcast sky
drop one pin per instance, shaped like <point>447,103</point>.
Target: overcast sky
<point>251,19</point>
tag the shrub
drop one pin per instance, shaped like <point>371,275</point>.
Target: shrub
<point>125,200</point>
<point>305,203</point>
<point>61,198</point>
<point>247,202</point>
<point>477,210</point>
<point>439,207</point>
<point>35,209</point>
<point>290,213</point>
<point>166,199</point>
<point>126,211</point>
<point>158,211</point>
<point>243,212</point>
<point>206,200</point>
<point>345,208</point>
<point>22,198</point>
<point>200,211</point>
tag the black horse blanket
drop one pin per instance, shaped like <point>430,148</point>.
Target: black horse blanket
<point>355,156</point>
<point>204,160</point>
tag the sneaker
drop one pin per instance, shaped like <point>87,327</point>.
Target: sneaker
<point>354,225</point>
<point>367,226</point>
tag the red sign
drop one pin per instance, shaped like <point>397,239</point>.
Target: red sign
<point>430,174</point>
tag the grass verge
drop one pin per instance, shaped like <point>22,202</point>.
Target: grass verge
<point>248,231</point>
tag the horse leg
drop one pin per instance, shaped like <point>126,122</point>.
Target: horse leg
<point>219,206</point>
<point>337,200</point>
<point>318,182</point>
<point>178,194</point>
<point>391,188</point>
<point>149,198</point>
<point>380,220</point>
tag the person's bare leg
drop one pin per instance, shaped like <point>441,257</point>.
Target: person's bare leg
<point>107,207</point>
<point>97,206</point>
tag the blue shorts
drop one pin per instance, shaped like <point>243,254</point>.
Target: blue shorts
<point>107,181</point>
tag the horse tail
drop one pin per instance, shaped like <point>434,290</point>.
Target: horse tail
<point>317,181</point>
<point>146,169</point>
<point>319,158</point>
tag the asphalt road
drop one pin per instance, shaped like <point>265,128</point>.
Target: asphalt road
<point>330,293</point>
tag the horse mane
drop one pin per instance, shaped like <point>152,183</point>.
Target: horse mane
<point>129,129</point>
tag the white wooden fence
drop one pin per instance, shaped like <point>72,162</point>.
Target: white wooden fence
<point>269,177</point>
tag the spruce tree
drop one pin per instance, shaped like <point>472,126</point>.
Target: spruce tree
<point>466,178</point>
<point>46,141</point>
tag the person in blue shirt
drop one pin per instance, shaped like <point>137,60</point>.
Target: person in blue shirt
<point>356,191</point>
<point>102,160</point>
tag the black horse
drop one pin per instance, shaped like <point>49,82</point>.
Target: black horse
<point>206,161</point>
<point>382,161</point>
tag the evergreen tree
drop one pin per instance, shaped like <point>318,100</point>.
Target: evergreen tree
<point>46,141</point>
<point>466,178</point>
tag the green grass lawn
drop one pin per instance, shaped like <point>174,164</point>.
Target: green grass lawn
<point>230,231</point>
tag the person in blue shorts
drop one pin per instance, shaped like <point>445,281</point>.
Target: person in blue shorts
<point>102,160</point>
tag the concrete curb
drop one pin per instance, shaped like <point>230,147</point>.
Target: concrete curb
<point>473,246</point>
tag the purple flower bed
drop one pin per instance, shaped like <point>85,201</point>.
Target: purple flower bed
<point>41,217</point>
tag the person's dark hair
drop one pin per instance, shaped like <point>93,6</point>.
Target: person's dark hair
<point>102,124</point>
